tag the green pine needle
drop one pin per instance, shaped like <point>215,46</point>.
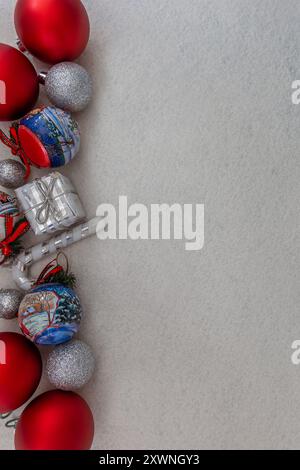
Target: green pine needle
<point>17,247</point>
<point>64,278</point>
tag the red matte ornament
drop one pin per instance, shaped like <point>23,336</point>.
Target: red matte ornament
<point>52,30</point>
<point>55,420</point>
<point>20,370</point>
<point>19,85</point>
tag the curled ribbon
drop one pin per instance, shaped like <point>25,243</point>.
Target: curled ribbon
<point>50,270</point>
<point>48,205</point>
<point>12,235</point>
<point>16,149</point>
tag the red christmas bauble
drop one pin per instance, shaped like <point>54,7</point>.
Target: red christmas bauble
<point>52,30</point>
<point>20,370</point>
<point>19,85</point>
<point>55,420</point>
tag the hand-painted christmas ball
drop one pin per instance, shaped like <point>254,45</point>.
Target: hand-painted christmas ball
<point>49,137</point>
<point>8,208</point>
<point>50,314</point>
<point>8,204</point>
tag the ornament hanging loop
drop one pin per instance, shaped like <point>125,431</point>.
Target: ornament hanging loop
<point>12,423</point>
<point>61,254</point>
<point>52,269</point>
<point>20,45</point>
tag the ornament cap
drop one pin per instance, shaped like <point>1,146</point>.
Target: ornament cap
<point>42,77</point>
<point>20,45</point>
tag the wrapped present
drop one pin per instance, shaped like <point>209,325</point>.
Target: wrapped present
<point>50,203</point>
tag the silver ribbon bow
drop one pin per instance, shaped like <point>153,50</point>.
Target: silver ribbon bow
<point>48,206</point>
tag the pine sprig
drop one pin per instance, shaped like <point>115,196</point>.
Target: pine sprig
<point>65,278</point>
<point>17,247</point>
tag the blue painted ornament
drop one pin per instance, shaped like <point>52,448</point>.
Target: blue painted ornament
<point>8,211</point>
<point>8,205</point>
<point>47,137</point>
<point>50,314</point>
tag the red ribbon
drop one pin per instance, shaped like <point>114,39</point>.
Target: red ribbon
<point>16,149</point>
<point>50,270</point>
<point>12,234</point>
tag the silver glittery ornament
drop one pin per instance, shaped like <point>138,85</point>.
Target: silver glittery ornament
<point>12,173</point>
<point>68,86</point>
<point>10,300</point>
<point>70,366</point>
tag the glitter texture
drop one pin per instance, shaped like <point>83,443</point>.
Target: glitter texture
<point>10,300</point>
<point>12,174</point>
<point>70,366</point>
<point>69,86</point>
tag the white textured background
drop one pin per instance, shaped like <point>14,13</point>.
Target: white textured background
<point>192,104</point>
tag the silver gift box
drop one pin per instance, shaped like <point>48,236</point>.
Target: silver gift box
<point>50,203</point>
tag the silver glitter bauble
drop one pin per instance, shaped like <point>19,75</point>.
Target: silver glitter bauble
<point>12,173</point>
<point>10,300</point>
<point>69,86</point>
<point>70,366</point>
